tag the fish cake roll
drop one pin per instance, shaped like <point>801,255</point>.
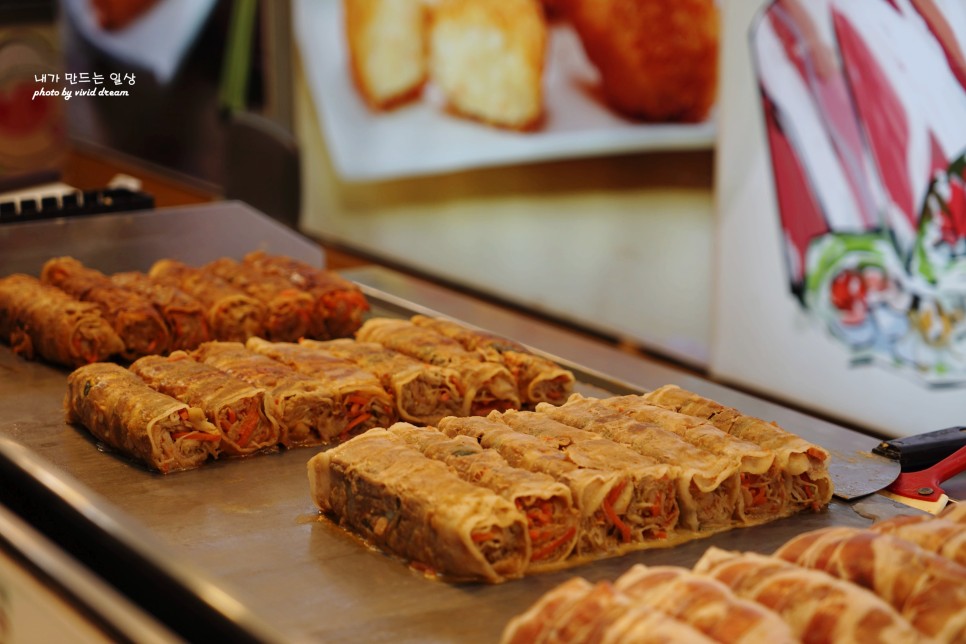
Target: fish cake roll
<point>423,393</point>
<point>488,386</point>
<point>184,315</point>
<point>119,409</point>
<point>419,509</point>
<point>232,405</point>
<point>538,379</point>
<point>289,311</point>
<point>232,314</point>
<point>310,411</point>
<point>552,521</point>
<point>41,320</point>
<point>365,403</point>
<point>804,465</point>
<point>134,318</point>
<point>340,304</point>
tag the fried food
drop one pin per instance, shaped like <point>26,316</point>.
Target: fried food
<point>387,49</point>
<point>657,58</point>
<point>487,57</point>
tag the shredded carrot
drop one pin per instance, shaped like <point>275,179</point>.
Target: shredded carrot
<point>480,537</point>
<point>616,492</point>
<point>229,421</point>
<point>248,424</point>
<point>620,525</point>
<point>548,549</point>
<point>658,506</point>
<point>541,515</point>
<point>357,399</point>
<point>810,493</point>
<point>612,515</point>
<point>758,495</point>
<point>361,418</point>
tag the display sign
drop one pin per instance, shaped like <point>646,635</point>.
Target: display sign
<point>842,208</point>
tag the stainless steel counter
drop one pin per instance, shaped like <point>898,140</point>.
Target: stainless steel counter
<point>244,536</point>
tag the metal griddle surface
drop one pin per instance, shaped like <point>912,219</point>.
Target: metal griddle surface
<point>250,527</point>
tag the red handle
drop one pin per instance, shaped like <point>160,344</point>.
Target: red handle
<point>925,484</point>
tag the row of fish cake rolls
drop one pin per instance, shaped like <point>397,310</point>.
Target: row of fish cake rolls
<point>74,314</point>
<point>223,399</point>
<point>607,481</point>
<point>838,584</point>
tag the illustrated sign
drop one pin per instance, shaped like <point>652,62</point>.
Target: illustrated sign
<point>864,108</point>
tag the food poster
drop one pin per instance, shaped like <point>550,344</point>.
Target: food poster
<point>540,218</point>
<point>504,84</point>
<point>842,208</point>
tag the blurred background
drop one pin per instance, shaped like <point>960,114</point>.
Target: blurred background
<point>602,224</point>
<point>656,229</point>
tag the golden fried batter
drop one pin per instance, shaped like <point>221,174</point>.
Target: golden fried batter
<point>657,58</point>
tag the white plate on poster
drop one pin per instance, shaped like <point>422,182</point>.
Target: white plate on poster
<point>421,138</point>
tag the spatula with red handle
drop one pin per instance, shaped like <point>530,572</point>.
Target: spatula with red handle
<point>923,489</point>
